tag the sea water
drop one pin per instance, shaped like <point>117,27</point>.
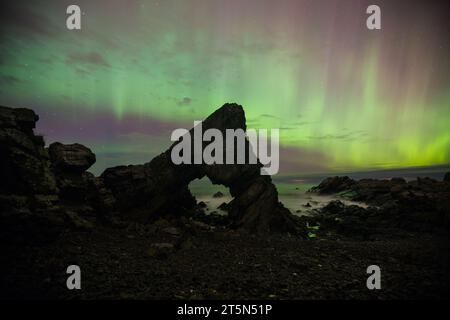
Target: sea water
<point>293,194</point>
<point>293,191</point>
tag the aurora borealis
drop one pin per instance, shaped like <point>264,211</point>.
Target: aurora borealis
<point>344,97</point>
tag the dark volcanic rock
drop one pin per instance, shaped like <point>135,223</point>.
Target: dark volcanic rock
<point>144,191</point>
<point>352,221</point>
<point>44,191</point>
<point>21,221</point>
<point>202,205</point>
<point>71,157</point>
<point>334,185</point>
<point>35,187</point>
<point>28,192</point>
<point>422,204</point>
<point>224,206</point>
<point>24,163</point>
<point>69,163</point>
<point>85,195</point>
<point>100,198</point>
<point>218,194</point>
<point>161,187</point>
<point>447,177</point>
<point>398,180</point>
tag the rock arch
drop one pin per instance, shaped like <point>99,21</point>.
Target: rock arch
<point>159,186</point>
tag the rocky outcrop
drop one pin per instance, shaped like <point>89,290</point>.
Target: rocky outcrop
<point>161,187</point>
<point>69,163</point>
<point>24,162</point>
<point>71,157</point>
<point>43,190</point>
<point>145,192</point>
<point>28,191</point>
<point>334,185</point>
<point>421,204</point>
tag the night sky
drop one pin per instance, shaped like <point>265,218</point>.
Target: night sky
<point>344,97</point>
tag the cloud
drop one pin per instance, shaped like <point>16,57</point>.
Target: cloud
<point>185,101</point>
<point>296,125</point>
<point>89,125</point>
<point>22,20</point>
<point>9,80</point>
<point>93,58</point>
<point>344,136</point>
<point>268,116</point>
<point>82,72</point>
<point>47,60</point>
<point>298,160</point>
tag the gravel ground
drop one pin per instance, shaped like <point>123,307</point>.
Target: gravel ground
<point>131,263</point>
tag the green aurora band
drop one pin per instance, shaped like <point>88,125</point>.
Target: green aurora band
<point>360,99</point>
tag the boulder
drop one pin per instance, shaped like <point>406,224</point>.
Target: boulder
<point>218,194</point>
<point>224,206</point>
<point>69,163</point>
<point>160,250</point>
<point>398,180</point>
<point>202,205</point>
<point>74,158</point>
<point>334,185</point>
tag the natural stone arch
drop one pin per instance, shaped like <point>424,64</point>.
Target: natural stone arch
<point>160,186</point>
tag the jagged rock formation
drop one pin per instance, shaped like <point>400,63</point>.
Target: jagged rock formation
<point>334,185</point>
<point>147,191</point>
<point>28,191</point>
<point>24,163</point>
<point>69,163</point>
<point>421,204</point>
<point>43,191</point>
<point>71,157</point>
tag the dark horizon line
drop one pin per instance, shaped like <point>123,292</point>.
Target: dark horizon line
<point>439,168</point>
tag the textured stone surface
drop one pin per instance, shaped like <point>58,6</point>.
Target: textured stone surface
<point>69,163</point>
<point>24,162</point>
<point>421,204</point>
<point>43,191</point>
<point>71,157</point>
<point>160,186</point>
<point>28,192</point>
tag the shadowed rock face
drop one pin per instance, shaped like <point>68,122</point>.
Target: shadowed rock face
<point>447,177</point>
<point>28,189</point>
<point>24,162</point>
<point>421,204</point>
<point>69,163</point>
<point>71,157</point>
<point>43,191</point>
<point>334,185</point>
<point>34,186</point>
<point>160,186</point>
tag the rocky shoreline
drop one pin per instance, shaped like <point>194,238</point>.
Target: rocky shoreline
<point>44,191</point>
<point>138,233</point>
<point>421,205</point>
